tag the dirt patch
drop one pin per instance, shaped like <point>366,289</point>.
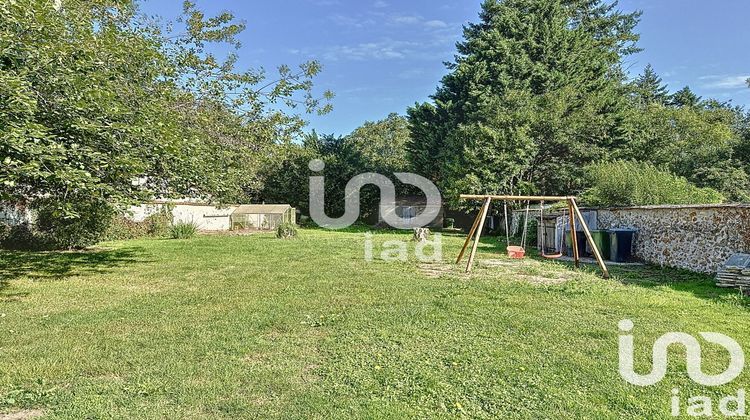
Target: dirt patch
<point>254,359</point>
<point>543,280</point>
<point>273,335</point>
<point>308,373</point>
<point>22,415</point>
<point>435,270</point>
<point>498,263</point>
<point>528,270</point>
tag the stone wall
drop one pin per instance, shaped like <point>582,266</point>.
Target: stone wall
<point>697,238</point>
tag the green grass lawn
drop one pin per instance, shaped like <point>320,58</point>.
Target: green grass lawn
<point>231,326</point>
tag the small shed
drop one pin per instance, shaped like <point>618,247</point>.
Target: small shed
<point>408,207</point>
<point>261,216</point>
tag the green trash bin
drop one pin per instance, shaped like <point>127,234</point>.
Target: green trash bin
<point>601,239</point>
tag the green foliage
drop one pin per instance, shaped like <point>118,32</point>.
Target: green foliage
<point>123,228</point>
<point>157,225</point>
<point>99,103</point>
<point>532,231</point>
<point>649,88</point>
<point>700,143</point>
<point>183,230</point>
<point>55,222</point>
<point>426,146</point>
<point>381,145</point>
<point>537,92</point>
<point>448,222</point>
<point>306,221</point>
<point>534,94</point>
<point>685,97</point>
<point>286,230</point>
<point>378,146</point>
<point>21,237</point>
<point>630,183</point>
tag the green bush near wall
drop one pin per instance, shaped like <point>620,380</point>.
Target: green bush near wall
<point>156,225</point>
<point>631,183</point>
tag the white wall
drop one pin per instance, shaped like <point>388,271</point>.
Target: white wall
<point>13,215</point>
<point>205,216</point>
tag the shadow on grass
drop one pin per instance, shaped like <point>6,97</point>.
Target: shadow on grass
<point>700,285</point>
<point>51,265</point>
<point>649,276</point>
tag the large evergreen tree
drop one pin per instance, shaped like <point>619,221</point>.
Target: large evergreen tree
<point>648,88</point>
<point>534,93</point>
<point>684,98</point>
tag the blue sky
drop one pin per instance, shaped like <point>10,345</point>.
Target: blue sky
<point>381,56</point>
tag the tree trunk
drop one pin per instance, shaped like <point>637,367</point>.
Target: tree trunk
<point>421,234</point>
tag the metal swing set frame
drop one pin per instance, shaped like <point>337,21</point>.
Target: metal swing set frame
<point>575,213</point>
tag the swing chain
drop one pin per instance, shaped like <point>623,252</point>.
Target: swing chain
<point>507,228</point>
<point>525,225</point>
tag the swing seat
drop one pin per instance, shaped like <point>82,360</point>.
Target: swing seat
<point>552,256</point>
<point>516,252</point>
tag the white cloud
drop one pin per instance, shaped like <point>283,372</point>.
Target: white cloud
<point>382,50</point>
<point>352,22</point>
<point>435,24</point>
<point>725,81</point>
<point>427,39</point>
<point>417,21</point>
<point>406,20</point>
<point>380,4</point>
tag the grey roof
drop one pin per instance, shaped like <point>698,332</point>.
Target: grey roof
<point>262,209</point>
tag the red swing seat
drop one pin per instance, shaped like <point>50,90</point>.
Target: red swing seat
<point>516,252</point>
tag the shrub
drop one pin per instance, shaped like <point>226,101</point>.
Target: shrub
<point>183,230</point>
<point>449,222</point>
<point>22,237</point>
<point>159,224</point>
<point>306,222</point>
<point>286,231</point>
<point>123,228</point>
<point>630,183</point>
<point>72,224</point>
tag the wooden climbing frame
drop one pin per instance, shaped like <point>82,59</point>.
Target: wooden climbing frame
<point>575,213</point>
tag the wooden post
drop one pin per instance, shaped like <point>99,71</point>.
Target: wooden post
<point>573,234</point>
<point>471,233</point>
<point>597,254</point>
<point>480,226</point>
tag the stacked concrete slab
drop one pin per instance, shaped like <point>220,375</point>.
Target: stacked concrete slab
<point>735,272</point>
